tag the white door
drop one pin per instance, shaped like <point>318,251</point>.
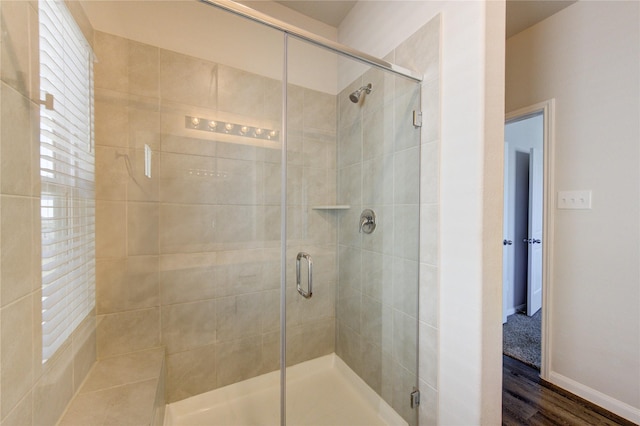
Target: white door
<point>534,273</point>
<point>507,241</point>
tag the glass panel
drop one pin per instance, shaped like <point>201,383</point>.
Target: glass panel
<point>311,229</point>
<point>350,152</point>
<point>189,246</point>
<point>188,184</point>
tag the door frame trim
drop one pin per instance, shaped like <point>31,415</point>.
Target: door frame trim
<point>547,108</point>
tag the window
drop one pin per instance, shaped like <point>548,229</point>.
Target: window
<point>67,164</point>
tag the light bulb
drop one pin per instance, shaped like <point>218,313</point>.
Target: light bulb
<point>259,131</point>
<point>244,130</point>
<point>212,124</point>
<point>228,126</point>
<point>195,121</point>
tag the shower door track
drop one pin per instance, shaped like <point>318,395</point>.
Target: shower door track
<point>264,19</point>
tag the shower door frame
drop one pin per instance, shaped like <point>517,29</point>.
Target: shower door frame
<point>325,43</point>
<point>341,50</point>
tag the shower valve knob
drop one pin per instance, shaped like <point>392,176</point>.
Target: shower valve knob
<point>367,221</point>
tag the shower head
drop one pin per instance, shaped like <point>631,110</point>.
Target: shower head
<point>355,96</point>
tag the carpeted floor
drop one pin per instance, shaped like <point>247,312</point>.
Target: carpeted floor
<point>521,338</point>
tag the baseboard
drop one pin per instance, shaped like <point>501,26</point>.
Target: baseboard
<point>620,408</point>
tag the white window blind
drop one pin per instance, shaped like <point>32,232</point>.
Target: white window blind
<point>67,164</point>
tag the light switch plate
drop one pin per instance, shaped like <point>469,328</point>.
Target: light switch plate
<point>574,200</point>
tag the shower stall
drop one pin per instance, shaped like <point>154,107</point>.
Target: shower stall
<point>257,202</point>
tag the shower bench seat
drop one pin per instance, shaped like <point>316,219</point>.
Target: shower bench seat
<point>121,390</point>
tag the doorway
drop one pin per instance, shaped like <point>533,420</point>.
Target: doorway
<point>522,244</point>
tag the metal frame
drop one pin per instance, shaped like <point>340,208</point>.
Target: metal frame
<point>264,19</point>
<point>283,236</point>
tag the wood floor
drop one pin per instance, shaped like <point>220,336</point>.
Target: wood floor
<point>526,400</point>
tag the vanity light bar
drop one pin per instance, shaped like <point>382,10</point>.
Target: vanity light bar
<point>226,127</point>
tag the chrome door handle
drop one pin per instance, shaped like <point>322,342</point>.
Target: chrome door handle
<point>306,294</point>
<point>531,241</point>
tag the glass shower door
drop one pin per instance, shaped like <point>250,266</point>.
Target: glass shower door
<point>353,220</point>
<point>191,246</point>
<point>311,225</point>
<point>218,182</point>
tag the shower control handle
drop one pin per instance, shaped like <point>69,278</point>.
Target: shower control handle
<point>306,294</point>
<point>367,221</point>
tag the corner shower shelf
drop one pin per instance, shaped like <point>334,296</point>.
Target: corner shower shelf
<point>332,207</point>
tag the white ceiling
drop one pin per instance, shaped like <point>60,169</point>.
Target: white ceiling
<point>521,14</point>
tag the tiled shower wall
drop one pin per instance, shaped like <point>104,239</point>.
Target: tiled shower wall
<point>378,168</point>
<point>189,258</point>
<point>382,159</point>
<point>31,392</point>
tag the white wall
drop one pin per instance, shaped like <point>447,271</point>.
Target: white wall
<point>586,57</point>
<point>472,123</point>
<point>203,31</point>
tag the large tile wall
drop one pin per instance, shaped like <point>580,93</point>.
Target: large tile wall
<point>189,258</point>
<point>30,392</point>
<point>382,161</point>
<point>127,117</point>
<point>311,181</point>
<point>377,304</point>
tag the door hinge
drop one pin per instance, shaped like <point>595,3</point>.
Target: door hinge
<point>415,398</point>
<point>417,118</point>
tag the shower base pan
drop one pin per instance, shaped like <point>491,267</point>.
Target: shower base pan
<point>323,391</point>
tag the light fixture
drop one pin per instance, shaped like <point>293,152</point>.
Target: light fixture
<point>230,128</point>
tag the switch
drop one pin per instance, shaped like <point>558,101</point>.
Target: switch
<point>574,200</point>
